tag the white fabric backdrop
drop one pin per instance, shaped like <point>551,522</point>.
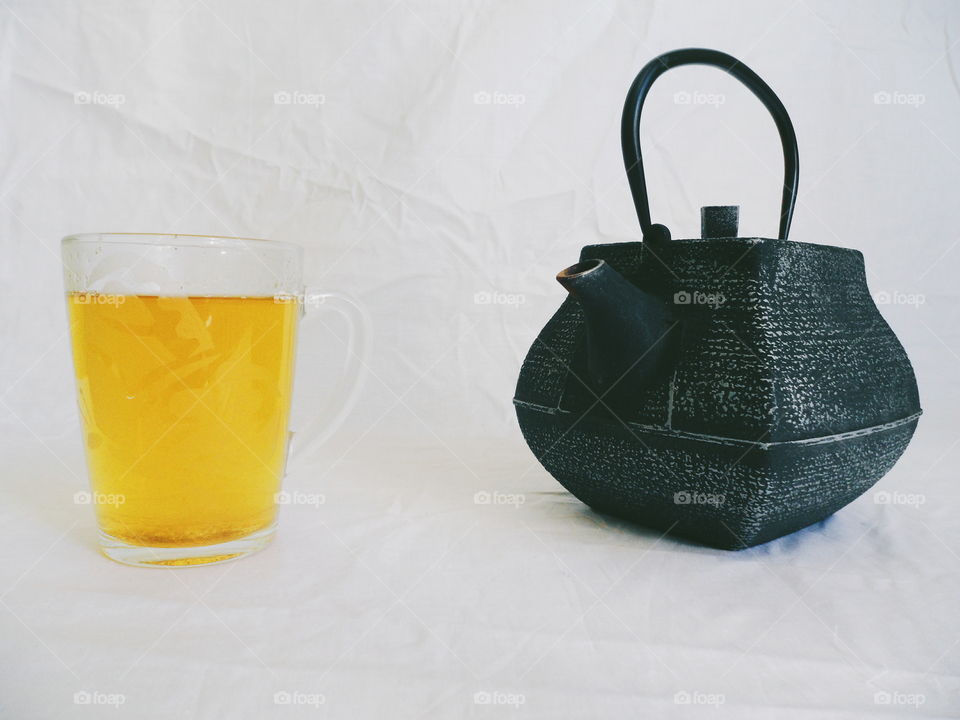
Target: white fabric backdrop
<point>432,156</point>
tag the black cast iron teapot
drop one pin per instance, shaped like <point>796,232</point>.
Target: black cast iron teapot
<point>727,389</point>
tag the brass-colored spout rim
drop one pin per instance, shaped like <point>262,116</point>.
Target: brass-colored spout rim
<point>580,269</point>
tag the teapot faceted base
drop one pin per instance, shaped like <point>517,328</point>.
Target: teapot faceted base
<point>725,493</point>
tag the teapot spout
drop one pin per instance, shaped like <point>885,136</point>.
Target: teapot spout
<point>629,331</point>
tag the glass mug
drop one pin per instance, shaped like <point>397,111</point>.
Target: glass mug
<point>183,348</point>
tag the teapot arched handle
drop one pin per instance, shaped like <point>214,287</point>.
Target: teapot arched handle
<point>630,130</point>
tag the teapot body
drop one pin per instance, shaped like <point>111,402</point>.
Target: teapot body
<point>790,395</point>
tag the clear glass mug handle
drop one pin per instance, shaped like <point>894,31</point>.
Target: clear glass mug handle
<point>321,425</point>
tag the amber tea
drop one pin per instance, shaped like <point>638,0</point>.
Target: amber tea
<point>184,402</point>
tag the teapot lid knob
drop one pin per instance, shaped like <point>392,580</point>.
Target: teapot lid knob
<point>719,221</point>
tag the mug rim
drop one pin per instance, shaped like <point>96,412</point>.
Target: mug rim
<point>173,240</point>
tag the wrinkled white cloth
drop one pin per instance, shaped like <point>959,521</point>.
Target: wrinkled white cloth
<point>441,162</point>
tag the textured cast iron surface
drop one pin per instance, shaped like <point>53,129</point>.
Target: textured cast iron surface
<point>791,349</point>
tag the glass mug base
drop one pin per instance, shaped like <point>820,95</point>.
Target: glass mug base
<point>141,556</point>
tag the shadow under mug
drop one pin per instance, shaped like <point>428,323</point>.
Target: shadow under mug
<point>183,350</point>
